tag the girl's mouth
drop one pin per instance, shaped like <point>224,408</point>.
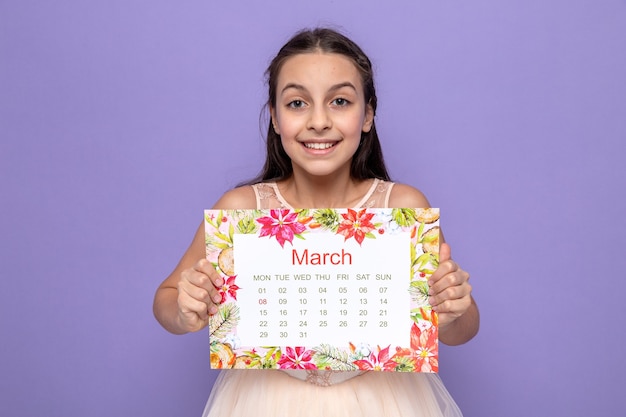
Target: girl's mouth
<point>319,146</point>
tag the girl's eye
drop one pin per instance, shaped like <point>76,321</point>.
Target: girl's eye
<point>296,104</point>
<point>340,102</point>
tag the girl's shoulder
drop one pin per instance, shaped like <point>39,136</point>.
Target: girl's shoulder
<point>241,198</point>
<point>405,196</point>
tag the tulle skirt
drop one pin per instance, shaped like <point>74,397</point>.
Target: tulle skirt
<point>273,393</point>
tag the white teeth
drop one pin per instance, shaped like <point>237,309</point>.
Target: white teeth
<point>319,145</point>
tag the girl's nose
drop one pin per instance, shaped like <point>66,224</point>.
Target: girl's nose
<point>319,119</point>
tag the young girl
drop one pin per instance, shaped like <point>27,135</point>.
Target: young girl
<point>322,152</point>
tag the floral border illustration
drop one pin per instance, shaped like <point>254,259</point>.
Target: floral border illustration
<point>283,225</point>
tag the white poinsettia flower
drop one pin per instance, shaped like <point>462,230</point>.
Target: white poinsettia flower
<point>363,349</point>
<point>389,224</point>
<point>385,215</point>
<point>232,340</point>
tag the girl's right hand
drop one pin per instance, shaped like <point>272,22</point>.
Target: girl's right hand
<point>198,295</point>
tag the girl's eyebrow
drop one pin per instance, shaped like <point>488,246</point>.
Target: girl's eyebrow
<point>295,86</point>
<point>342,85</point>
<point>335,87</point>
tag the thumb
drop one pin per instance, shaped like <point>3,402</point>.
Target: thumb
<point>445,253</point>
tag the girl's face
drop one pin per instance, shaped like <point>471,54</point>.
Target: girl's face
<point>320,112</point>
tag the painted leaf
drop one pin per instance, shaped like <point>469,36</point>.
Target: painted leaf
<point>247,226</point>
<point>329,357</point>
<point>404,217</point>
<point>327,219</point>
<point>225,320</point>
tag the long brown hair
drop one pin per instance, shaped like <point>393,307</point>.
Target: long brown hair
<point>368,160</point>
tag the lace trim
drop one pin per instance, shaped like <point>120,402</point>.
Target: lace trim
<point>268,196</point>
<point>380,188</point>
<point>321,379</point>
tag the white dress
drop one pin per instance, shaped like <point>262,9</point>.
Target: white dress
<point>311,393</point>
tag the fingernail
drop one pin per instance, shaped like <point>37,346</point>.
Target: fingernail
<point>431,300</point>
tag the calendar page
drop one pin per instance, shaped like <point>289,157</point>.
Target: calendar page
<point>333,289</point>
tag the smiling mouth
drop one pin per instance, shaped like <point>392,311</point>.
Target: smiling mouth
<point>320,146</point>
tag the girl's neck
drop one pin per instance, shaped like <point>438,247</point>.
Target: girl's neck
<point>332,191</point>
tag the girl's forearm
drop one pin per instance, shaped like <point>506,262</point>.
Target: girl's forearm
<point>165,310</point>
<point>463,329</point>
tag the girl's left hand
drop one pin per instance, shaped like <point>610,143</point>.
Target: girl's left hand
<point>450,291</point>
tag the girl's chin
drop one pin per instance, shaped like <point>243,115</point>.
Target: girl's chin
<point>322,169</point>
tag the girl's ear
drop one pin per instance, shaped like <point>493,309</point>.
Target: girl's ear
<point>273,116</point>
<point>369,118</point>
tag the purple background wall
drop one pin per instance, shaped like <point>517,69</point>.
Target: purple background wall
<point>121,120</point>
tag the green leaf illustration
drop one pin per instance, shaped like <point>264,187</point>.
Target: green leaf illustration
<point>222,236</point>
<point>416,313</point>
<point>419,291</point>
<point>224,321</point>
<point>429,239</point>
<point>420,231</point>
<point>231,232</point>
<point>302,213</point>
<point>404,364</point>
<point>329,357</point>
<point>211,242</point>
<point>218,220</point>
<point>327,219</point>
<point>404,217</point>
<point>247,226</point>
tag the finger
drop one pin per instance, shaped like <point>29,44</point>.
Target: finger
<point>453,308</point>
<point>192,322</point>
<point>200,279</point>
<point>198,300</point>
<point>445,252</point>
<point>451,293</point>
<point>212,281</point>
<point>197,293</point>
<point>205,267</point>
<point>448,280</point>
<point>191,307</point>
<point>446,264</point>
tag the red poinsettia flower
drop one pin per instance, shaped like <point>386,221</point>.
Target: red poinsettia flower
<point>374,362</point>
<point>296,358</point>
<point>356,225</point>
<point>229,288</point>
<point>424,344</point>
<point>283,224</point>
